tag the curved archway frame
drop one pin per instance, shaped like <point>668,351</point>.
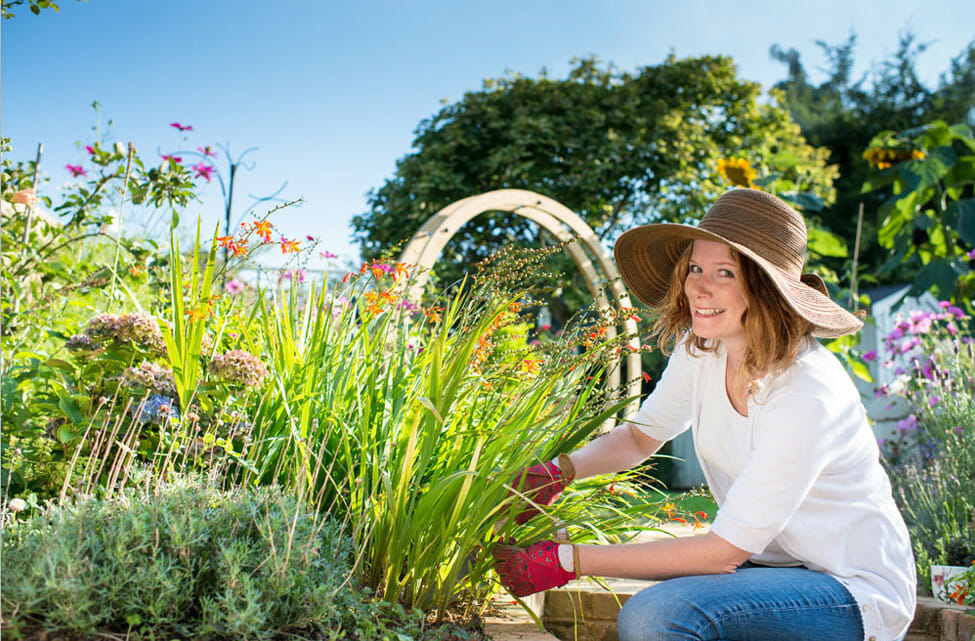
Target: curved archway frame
<point>565,225</point>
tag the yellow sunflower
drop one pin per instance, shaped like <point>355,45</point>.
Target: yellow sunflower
<point>737,171</point>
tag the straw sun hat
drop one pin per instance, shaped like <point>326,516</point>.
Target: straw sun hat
<point>756,224</point>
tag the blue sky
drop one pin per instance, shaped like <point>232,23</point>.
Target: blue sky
<point>331,91</point>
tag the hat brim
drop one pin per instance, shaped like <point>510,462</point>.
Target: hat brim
<point>646,257</point>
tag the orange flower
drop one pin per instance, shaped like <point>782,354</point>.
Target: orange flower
<point>531,366</point>
<point>434,314</point>
<point>374,303</point>
<point>401,269</point>
<point>225,241</point>
<point>289,246</point>
<point>646,377</point>
<point>238,247</point>
<point>263,229</point>
<point>958,596</point>
<point>197,313</point>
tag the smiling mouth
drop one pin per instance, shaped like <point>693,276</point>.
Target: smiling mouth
<point>708,313</point>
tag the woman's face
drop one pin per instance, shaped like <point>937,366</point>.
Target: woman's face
<point>713,289</point>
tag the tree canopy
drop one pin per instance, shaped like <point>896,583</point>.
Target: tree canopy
<point>618,148</point>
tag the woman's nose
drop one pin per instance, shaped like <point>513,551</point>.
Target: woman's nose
<point>697,287</point>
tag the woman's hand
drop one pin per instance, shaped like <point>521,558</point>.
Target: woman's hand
<point>543,484</point>
<point>532,569</point>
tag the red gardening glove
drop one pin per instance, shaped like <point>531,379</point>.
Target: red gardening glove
<point>543,484</point>
<point>525,571</point>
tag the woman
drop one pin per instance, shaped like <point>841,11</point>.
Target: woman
<point>807,542</point>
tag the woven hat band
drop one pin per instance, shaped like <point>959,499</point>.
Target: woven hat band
<point>766,226</point>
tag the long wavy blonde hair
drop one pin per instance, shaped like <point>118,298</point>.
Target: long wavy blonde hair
<point>774,332</point>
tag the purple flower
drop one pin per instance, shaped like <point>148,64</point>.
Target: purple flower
<point>234,286</point>
<point>907,424</point>
<point>408,306</point>
<point>76,170</point>
<point>870,356</point>
<point>204,171</point>
<point>927,370</point>
<point>970,255</point>
<point>934,400</point>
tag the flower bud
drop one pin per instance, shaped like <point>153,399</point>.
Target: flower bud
<point>120,149</point>
<point>17,505</point>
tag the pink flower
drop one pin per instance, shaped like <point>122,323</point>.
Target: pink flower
<point>181,127</point>
<point>175,159</point>
<point>870,356</point>
<point>89,149</point>
<point>234,286</point>
<point>206,151</point>
<point>76,170</point>
<point>24,197</point>
<point>203,171</point>
<point>970,255</point>
<point>329,254</point>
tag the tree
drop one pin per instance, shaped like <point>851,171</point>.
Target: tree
<point>618,148</point>
<point>844,114</point>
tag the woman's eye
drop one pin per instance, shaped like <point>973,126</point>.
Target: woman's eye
<point>727,273</point>
<point>694,269</point>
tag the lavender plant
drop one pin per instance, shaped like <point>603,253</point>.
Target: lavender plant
<point>931,456</point>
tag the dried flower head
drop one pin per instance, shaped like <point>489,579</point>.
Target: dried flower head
<point>238,366</point>
<point>150,376</point>
<point>140,328</point>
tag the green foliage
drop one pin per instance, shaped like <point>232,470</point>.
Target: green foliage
<point>411,423</point>
<point>844,112</point>
<point>35,6</point>
<point>188,560</point>
<point>617,148</point>
<point>928,176</point>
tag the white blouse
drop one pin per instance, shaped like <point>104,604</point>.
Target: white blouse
<point>799,480</point>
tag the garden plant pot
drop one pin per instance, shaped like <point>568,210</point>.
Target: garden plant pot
<point>943,581</point>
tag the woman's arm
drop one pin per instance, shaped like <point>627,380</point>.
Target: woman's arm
<point>624,447</point>
<point>658,560</point>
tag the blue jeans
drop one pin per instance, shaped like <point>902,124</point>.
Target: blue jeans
<point>752,604</point>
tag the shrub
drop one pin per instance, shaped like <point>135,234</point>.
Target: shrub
<point>187,560</point>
